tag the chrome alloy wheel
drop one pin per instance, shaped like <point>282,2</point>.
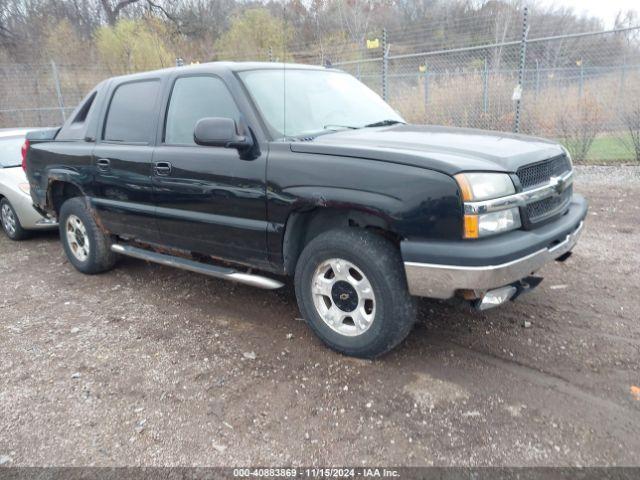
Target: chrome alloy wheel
<point>343,297</point>
<point>8,220</point>
<point>77,238</point>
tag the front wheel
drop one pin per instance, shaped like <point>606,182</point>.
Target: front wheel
<point>351,289</point>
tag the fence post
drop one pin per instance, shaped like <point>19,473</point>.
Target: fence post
<point>485,87</point>
<point>623,75</point>
<point>270,53</point>
<point>426,90</point>
<point>523,53</point>
<point>56,80</point>
<point>581,85</point>
<point>537,78</point>
<point>36,78</point>
<point>385,64</point>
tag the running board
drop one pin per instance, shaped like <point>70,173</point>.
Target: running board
<point>198,267</point>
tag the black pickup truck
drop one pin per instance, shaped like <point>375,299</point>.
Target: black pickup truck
<point>255,171</point>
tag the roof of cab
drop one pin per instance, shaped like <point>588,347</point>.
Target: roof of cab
<point>219,67</point>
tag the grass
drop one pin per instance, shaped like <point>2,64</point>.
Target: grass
<point>609,149</point>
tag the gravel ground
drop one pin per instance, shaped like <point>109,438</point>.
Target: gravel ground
<point>147,365</point>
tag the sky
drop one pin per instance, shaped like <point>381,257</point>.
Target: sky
<point>605,9</point>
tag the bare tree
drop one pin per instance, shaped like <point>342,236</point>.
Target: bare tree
<point>631,118</point>
<point>579,123</point>
<point>112,10</point>
<point>355,17</point>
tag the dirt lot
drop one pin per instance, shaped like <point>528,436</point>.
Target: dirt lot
<point>147,365</point>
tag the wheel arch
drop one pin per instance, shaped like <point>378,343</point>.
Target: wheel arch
<point>302,226</point>
<point>59,191</point>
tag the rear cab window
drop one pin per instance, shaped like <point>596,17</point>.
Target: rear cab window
<point>77,125</point>
<point>132,113</point>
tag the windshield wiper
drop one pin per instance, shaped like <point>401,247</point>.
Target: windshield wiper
<point>383,123</point>
<point>333,127</point>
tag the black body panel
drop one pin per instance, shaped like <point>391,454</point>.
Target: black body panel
<point>212,202</point>
<point>412,202</point>
<point>122,192</point>
<point>445,149</point>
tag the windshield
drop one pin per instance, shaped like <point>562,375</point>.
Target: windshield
<point>10,151</point>
<point>299,103</point>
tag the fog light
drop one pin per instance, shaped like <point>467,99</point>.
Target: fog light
<point>496,297</point>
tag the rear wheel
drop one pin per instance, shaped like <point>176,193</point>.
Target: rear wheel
<point>87,247</point>
<point>351,289</point>
<point>10,222</point>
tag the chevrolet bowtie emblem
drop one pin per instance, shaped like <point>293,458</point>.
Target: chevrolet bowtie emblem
<point>557,183</point>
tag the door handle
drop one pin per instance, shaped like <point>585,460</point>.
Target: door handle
<point>104,164</point>
<point>162,168</point>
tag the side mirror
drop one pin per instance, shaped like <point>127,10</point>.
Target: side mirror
<point>220,132</point>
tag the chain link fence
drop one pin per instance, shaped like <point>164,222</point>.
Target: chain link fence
<point>42,95</point>
<point>582,88</point>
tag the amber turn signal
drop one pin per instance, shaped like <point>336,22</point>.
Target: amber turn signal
<point>465,187</point>
<point>471,226</point>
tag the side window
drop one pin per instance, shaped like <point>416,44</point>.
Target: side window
<point>82,114</point>
<point>194,98</point>
<point>132,113</point>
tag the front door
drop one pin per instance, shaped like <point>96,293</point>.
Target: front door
<point>123,193</point>
<point>208,199</point>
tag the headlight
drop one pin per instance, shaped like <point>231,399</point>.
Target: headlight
<point>496,222</point>
<point>476,187</point>
<point>483,225</point>
<point>484,186</point>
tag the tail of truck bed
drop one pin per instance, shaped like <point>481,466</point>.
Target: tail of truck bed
<point>42,135</point>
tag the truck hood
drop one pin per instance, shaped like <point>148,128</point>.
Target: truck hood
<point>445,149</point>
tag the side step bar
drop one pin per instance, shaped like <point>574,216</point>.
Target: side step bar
<point>198,267</point>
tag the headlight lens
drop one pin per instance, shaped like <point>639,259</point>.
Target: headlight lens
<point>483,225</point>
<point>484,186</point>
<point>496,222</point>
<point>479,186</point>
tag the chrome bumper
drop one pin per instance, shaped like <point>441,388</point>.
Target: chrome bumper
<point>442,281</point>
<point>46,222</point>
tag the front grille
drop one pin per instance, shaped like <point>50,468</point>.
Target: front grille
<point>540,173</point>
<point>537,211</point>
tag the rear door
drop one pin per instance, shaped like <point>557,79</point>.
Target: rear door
<point>123,192</point>
<point>209,200</point>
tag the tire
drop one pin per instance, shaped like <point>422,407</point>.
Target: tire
<point>385,313</point>
<point>86,246</point>
<point>11,223</point>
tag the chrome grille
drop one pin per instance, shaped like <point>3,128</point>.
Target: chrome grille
<point>537,211</point>
<point>541,172</point>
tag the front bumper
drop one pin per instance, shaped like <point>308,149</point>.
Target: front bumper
<point>439,269</point>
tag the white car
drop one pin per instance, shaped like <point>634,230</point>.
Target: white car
<point>17,215</point>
